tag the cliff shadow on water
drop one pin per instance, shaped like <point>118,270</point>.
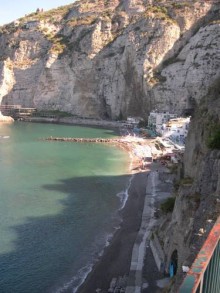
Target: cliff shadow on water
<point>56,250</point>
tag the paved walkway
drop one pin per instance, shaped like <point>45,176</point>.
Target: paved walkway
<point>148,221</point>
<point>142,261</point>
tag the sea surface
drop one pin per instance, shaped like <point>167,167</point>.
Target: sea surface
<point>59,205</point>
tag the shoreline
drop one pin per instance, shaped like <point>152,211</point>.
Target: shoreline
<point>117,257</point>
<point>128,258</point>
<point>115,261</point>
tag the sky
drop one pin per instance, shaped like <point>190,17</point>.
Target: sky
<point>13,9</point>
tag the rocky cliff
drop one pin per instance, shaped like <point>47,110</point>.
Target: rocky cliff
<point>197,197</point>
<point>112,59</point>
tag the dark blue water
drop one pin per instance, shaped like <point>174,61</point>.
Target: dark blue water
<point>58,205</point>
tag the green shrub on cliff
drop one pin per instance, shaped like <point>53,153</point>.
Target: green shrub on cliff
<point>86,20</point>
<point>186,181</point>
<point>181,5</point>
<point>214,139</point>
<point>158,12</point>
<point>168,205</point>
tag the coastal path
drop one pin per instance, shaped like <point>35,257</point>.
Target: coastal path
<point>148,221</point>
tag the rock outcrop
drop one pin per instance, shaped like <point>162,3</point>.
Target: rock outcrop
<point>112,59</point>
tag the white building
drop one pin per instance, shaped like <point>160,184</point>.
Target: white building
<point>176,129</point>
<point>157,119</point>
<point>134,120</point>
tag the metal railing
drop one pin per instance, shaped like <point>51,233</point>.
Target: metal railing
<point>9,107</point>
<point>204,274</point>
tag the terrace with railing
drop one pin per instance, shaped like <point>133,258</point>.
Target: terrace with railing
<point>16,111</point>
<point>204,274</point>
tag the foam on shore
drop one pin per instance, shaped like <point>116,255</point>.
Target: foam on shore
<point>125,194</point>
<point>83,273</point>
<point>75,283</point>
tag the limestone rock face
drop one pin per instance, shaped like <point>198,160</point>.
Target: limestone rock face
<point>197,203</point>
<point>190,75</point>
<point>112,59</point>
<point>6,84</point>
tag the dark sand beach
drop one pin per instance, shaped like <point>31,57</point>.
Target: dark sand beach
<point>116,258</point>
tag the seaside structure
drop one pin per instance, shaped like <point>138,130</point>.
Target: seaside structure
<point>132,122</point>
<point>16,111</point>
<point>157,119</point>
<point>176,129</point>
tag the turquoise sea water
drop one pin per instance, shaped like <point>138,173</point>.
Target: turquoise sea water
<point>58,205</point>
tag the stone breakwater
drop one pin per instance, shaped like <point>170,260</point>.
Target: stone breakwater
<point>92,140</point>
<point>128,143</point>
<point>123,143</point>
